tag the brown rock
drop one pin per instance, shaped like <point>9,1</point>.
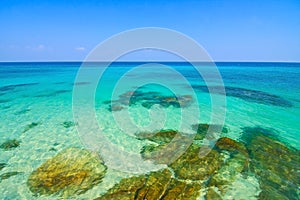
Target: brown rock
<point>182,190</point>
<point>152,186</point>
<point>212,195</point>
<point>238,161</point>
<point>72,171</point>
<point>275,165</point>
<point>191,166</point>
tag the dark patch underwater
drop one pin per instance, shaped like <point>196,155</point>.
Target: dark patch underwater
<point>255,96</point>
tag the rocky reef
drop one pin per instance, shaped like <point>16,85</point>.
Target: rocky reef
<point>155,185</point>
<point>72,171</point>
<point>275,165</point>
<point>255,96</point>
<point>187,175</point>
<point>259,155</point>
<point>147,99</point>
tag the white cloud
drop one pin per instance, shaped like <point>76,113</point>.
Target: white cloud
<point>80,48</point>
<point>40,47</point>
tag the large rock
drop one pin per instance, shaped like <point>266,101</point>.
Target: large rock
<point>153,186</point>
<point>72,171</point>
<point>191,166</point>
<point>237,162</point>
<point>182,190</point>
<point>167,145</point>
<point>188,164</point>
<point>160,137</point>
<point>275,165</point>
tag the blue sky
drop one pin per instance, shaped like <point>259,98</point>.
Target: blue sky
<point>258,30</point>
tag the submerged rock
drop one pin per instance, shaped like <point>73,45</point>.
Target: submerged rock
<point>30,126</point>
<point>212,195</point>
<point>191,166</point>
<point>167,145</point>
<point>12,87</point>
<point>10,144</point>
<point>255,96</point>
<point>68,124</point>
<point>148,98</point>
<point>7,175</point>
<point>275,165</point>
<point>188,165</point>
<point>2,165</point>
<point>233,166</point>
<point>160,137</point>
<point>115,107</point>
<point>178,189</point>
<point>202,129</point>
<point>152,186</point>
<point>72,171</point>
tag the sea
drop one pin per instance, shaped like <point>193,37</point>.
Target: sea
<point>44,105</point>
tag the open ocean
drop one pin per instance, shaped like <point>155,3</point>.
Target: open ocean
<point>262,100</point>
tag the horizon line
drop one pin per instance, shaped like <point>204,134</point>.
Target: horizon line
<point>144,61</point>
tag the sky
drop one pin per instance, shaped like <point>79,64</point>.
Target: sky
<point>67,30</point>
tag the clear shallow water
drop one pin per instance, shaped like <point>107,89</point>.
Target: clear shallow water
<point>36,105</point>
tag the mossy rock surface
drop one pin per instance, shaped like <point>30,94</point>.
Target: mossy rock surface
<point>275,165</point>
<point>182,190</point>
<point>72,171</point>
<point>10,144</point>
<point>190,166</point>
<point>153,186</point>
<point>237,162</point>
<point>167,147</point>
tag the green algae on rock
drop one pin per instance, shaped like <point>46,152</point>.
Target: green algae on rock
<point>275,165</point>
<point>72,171</point>
<point>168,145</point>
<point>186,166</point>
<point>191,166</point>
<point>10,144</point>
<point>152,186</point>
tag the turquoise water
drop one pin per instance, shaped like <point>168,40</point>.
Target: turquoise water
<point>36,110</point>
